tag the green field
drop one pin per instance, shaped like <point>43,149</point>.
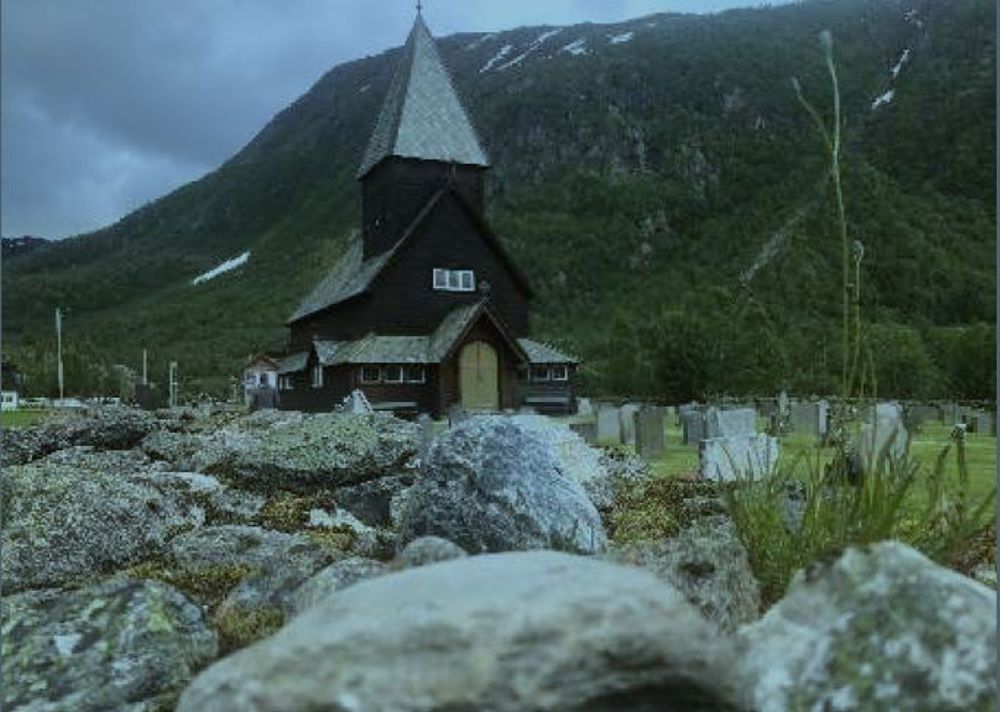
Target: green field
<point>801,451</point>
<point>20,418</point>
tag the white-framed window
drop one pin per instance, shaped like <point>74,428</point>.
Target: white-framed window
<point>454,280</point>
<point>393,374</point>
<point>371,374</point>
<point>285,382</point>
<point>317,376</point>
<point>540,373</point>
<point>415,374</point>
<point>559,373</point>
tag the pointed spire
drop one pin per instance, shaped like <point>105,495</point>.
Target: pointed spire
<point>422,116</point>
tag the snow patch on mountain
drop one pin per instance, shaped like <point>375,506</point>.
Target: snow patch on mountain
<point>883,98</point>
<point>576,47</point>
<point>498,57</point>
<point>226,266</point>
<point>531,48</point>
<point>903,59</point>
<point>622,38</point>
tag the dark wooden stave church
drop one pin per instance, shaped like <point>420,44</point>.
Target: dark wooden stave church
<point>425,310</point>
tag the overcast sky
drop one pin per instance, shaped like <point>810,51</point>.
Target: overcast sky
<point>108,104</point>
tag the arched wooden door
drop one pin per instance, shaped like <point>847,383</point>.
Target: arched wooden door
<point>478,377</point>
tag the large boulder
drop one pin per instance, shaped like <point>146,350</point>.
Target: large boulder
<point>515,631</point>
<point>118,645</point>
<point>322,450</point>
<point>113,428</point>
<point>879,628</point>
<point>576,458</point>
<point>706,562</point>
<point>79,513</point>
<point>494,484</point>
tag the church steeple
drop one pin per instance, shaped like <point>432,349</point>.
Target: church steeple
<point>422,117</point>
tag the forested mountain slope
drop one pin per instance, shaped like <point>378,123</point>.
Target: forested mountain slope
<point>657,180</point>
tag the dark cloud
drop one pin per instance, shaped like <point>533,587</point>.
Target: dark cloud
<point>109,104</point>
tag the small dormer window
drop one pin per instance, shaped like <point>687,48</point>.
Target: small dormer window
<point>454,280</point>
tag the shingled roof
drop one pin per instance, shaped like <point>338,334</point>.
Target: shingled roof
<point>422,116</point>
<point>375,348</point>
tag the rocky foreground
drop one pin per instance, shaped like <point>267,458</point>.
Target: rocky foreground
<point>201,560</point>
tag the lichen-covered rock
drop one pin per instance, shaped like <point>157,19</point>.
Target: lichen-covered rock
<point>371,501</point>
<point>577,459</point>
<point>329,580</point>
<point>277,562</point>
<point>79,513</point>
<point>248,545</point>
<point>196,451</point>
<point>322,450</point>
<point>880,628</point>
<point>107,428</point>
<point>366,541</point>
<point>427,550</point>
<point>708,564</point>
<point>222,504</point>
<point>121,644</point>
<point>493,484</point>
<point>516,631</point>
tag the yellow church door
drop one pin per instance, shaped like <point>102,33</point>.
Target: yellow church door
<point>478,377</point>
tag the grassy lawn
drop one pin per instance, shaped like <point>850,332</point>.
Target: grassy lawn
<point>800,449</point>
<point>20,418</point>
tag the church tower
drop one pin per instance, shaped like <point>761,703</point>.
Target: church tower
<point>423,140</point>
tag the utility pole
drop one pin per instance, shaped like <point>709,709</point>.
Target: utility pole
<point>173,384</point>
<point>59,361</point>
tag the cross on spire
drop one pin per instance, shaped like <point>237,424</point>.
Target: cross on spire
<point>420,6</point>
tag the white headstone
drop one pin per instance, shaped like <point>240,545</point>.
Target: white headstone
<point>609,427</point>
<point>727,459</point>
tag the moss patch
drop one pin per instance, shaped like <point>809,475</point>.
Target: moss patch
<point>238,629</point>
<point>658,509</point>
<point>208,585</point>
<point>289,512</point>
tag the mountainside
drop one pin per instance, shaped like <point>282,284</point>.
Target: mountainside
<point>658,182</point>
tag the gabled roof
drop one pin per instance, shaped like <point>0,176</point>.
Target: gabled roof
<point>539,353</point>
<point>422,116</point>
<point>374,348</point>
<point>352,275</point>
<point>348,278</point>
<point>293,363</point>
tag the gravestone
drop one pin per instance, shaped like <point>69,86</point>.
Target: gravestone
<point>587,431</point>
<point>609,427</point>
<point>627,415</point>
<point>982,423</point>
<point>730,458</point>
<point>693,424</point>
<point>426,425</point>
<point>728,423</point>
<point>783,404</point>
<point>810,417</point>
<point>884,431</point>
<point>584,407</point>
<point>649,435</point>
